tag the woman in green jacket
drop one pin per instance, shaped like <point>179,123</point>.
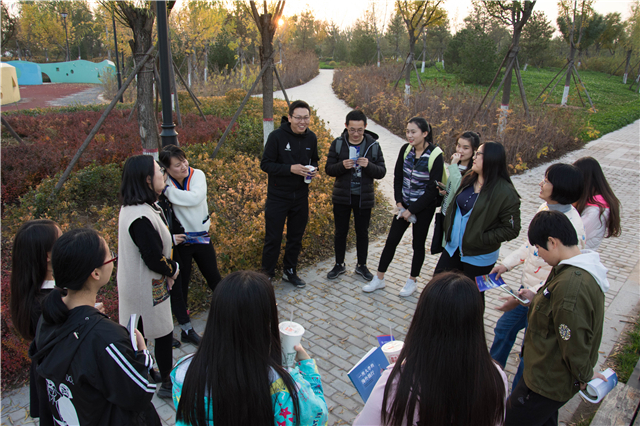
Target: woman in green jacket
<point>485,213</point>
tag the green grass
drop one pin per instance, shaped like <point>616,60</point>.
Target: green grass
<point>615,104</point>
<point>626,358</point>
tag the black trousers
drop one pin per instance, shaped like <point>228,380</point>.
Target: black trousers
<point>163,351</point>
<point>527,408</point>
<point>420,231</point>
<point>296,214</point>
<point>361,219</point>
<point>454,263</point>
<point>178,300</point>
<point>205,257</point>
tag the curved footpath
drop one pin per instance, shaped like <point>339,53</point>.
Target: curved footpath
<point>342,321</point>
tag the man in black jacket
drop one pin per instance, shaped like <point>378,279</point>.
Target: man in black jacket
<point>289,155</point>
<point>355,159</point>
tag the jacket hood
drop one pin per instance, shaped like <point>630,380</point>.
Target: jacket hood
<point>373,136</point>
<point>56,344</point>
<point>286,126</point>
<point>589,260</point>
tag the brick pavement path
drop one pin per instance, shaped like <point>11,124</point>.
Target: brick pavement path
<point>342,321</point>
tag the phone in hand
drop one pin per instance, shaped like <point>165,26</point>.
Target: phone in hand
<point>441,185</point>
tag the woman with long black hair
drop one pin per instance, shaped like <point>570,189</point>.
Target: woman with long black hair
<point>238,365</point>
<point>444,374</point>
<point>31,280</point>
<point>418,169</point>
<point>598,206</point>
<point>146,272</point>
<point>486,213</point>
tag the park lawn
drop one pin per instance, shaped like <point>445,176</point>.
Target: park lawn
<point>615,104</point>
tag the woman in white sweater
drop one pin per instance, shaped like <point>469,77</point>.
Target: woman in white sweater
<point>186,189</point>
<point>598,206</point>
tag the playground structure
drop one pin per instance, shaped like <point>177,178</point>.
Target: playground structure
<point>81,71</point>
<point>9,89</point>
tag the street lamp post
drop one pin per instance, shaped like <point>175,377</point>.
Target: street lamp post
<point>169,134</point>
<point>66,35</point>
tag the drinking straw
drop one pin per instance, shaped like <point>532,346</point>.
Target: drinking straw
<point>291,319</point>
<point>391,332</point>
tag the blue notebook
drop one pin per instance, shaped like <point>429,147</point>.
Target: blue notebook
<point>365,374</point>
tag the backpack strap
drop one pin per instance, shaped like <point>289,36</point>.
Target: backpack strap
<point>339,142</point>
<point>407,151</point>
<point>432,158</point>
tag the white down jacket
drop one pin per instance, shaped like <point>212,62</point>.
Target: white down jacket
<point>536,270</point>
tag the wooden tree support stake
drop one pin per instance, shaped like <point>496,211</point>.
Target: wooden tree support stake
<point>95,129</point>
<point>13,132</point>
<point>195,100</point>
<point>239,110</point>
<point>286,98</point>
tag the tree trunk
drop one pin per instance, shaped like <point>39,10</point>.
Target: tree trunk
<point>626,67</point>
<point>267,77</point>
<point>206,61</point>
<point>424,50</point>
<point>407,72</point>
<point>567,80</point>
<point>142,25</point>
<point>189,70</point>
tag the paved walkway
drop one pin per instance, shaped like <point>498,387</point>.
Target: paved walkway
<point>342,321</point>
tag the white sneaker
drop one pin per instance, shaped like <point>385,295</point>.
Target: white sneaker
<point>408,288</point>
<point>375,284</point>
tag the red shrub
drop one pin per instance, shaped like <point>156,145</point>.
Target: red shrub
<point>55,137</point>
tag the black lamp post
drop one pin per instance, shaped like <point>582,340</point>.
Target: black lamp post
<point>169,134</point>
<point>66,35</point>
<point>115,42</point>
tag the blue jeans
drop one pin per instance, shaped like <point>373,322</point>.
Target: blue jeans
<point>506,331</point>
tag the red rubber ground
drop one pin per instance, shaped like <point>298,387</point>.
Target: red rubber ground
<point>38,96</point>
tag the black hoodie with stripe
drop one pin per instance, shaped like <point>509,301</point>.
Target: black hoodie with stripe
<point>88,370</point>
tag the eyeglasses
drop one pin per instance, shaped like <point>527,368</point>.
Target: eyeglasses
<point>544,182</point>
<point>163,171</point>
<point>299,118</point>
<point>114,257</point>
<point>478,153</point>
<point>356,131</point>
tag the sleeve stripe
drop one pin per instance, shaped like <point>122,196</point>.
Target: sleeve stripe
<point>129,370</point>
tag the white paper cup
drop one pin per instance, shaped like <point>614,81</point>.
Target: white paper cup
<point>392,350</point>
<point>290,335</point>
<point>307,178</point>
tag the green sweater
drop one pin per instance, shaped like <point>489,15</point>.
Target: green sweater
<point>565,329</point>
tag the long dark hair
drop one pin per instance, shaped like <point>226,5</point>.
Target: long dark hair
<point>239,347</point>
<point>75,255</point>
<point>445,371</point>
<point>494,166</point>
<point>31,244</point>
<point>596,184</point>
<point>134,188</point>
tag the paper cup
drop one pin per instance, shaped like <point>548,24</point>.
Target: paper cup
<point>392,350</point>
<point>290,335</point>
<point>307,178</point>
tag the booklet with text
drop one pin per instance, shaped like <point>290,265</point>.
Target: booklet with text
<point>367,371</point>
<point>598,388</point>
<point>131,326</point>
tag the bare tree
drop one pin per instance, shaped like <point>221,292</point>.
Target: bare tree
<point>140,17</point>
<point>516,14</point>
<point>417,15</point>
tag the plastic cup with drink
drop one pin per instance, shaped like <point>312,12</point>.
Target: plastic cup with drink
<point>308,177</point>
<point>290,335</point>
<point>392,350</point>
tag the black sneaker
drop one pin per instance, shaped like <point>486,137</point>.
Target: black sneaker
<point>166,389</point>
<point>176,343</point>
<point>190,337</point>
<point>364,272</point>
<point>290,275</point>
<point>336,271</point>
